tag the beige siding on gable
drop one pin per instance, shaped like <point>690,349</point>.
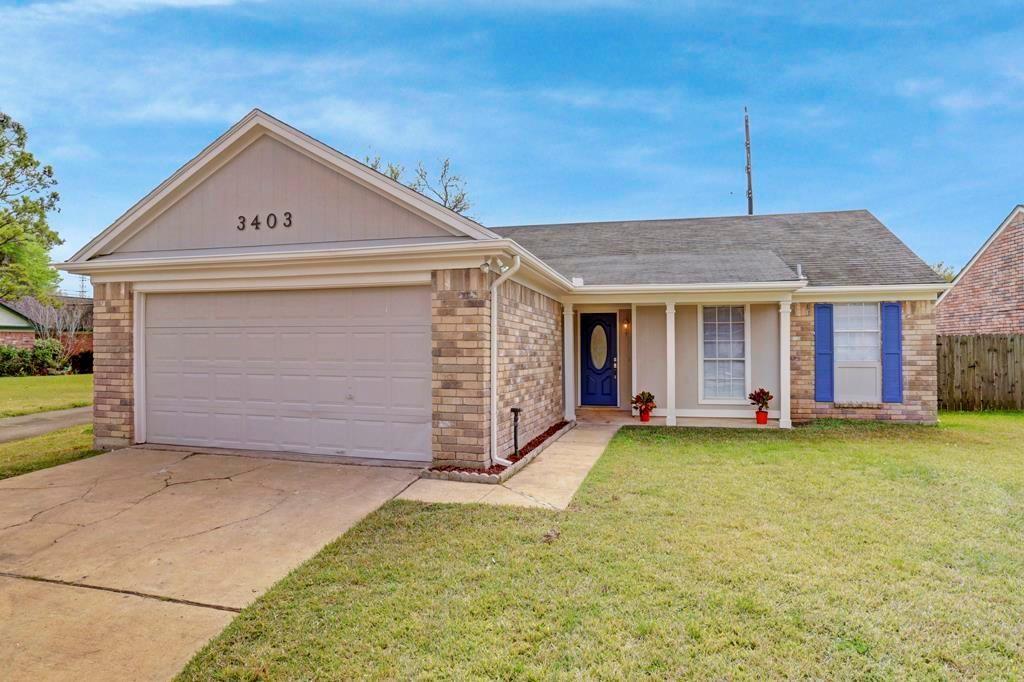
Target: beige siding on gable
<point>270,177</point>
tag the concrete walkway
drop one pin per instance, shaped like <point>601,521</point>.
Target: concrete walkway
<point>26,426</point>
<point>549,482</point>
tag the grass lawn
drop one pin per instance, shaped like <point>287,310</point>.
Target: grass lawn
<point>27,395</point>
<point>831,551</point>
<point>22,456</point>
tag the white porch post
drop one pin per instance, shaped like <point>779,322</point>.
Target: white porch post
<point>670,364</point>
<point>632,351</point>
<point>568,363</point>
<point>785,421</point>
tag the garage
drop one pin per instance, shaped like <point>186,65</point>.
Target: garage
<point>335,372</point>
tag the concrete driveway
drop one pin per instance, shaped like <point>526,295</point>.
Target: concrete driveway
<point>123,565</point>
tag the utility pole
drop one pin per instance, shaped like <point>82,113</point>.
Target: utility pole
<point>750,179</point>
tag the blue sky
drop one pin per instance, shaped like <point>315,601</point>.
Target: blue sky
<point>553,111</point>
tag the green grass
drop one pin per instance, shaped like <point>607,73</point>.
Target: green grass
<point>833,551</point>
<point>28,395</point>
<point>58,447</point>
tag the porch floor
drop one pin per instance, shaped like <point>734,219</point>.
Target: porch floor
<point>617,416</point>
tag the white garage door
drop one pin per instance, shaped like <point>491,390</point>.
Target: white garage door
<point>327,372</point>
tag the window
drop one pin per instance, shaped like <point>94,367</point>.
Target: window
<point>724,354</point>
<point>858,353</point>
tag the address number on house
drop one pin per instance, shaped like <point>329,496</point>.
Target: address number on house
<point>269,221</point>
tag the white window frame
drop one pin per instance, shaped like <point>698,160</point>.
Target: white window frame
<point>701,400</point>
<point>838,364</point>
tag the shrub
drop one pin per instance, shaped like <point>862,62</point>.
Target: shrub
<point>15,362</point>
<point>81,363</point>
<point>46,357</point>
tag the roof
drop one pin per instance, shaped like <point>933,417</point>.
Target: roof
<point>29,309</point>
<point>1017,210</point>
<point>836,248</point>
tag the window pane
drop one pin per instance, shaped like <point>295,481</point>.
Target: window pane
<point>598,347</point>
<point>724,351</point>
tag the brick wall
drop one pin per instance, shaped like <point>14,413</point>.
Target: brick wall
<point>460,312</point>
<point>529,363</point>
<point>113,411</point>
<point>989,298</point>
<point>919,370</point>
<point>18,339</point>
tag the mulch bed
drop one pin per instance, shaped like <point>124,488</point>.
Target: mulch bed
<point>523,452</point>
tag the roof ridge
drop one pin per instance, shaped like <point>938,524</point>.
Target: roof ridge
<point>675,220</point>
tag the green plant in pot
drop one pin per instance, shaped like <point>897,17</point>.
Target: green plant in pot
<point>761,397</point>
<point>644,403</point>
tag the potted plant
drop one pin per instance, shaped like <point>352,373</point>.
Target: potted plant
<point>761,397</point>
<point>644,403</point>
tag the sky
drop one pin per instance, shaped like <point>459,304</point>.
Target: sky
<point>552,111</point>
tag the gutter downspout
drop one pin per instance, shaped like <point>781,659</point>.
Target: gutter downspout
<point>494,359</point>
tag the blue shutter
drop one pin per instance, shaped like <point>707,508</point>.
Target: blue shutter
<point>892,353</point>
<point>824,354</point>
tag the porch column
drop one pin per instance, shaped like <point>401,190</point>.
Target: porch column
<point>670,364</point>
<point>784,381</point>
<point>568,363</point>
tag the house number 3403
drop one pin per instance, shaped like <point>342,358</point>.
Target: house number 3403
<point>269,221</point>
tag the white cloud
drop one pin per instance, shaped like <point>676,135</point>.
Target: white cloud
<point>38,13</point>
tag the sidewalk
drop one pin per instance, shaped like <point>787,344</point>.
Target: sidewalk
<point>549,482</point>
<point>26,426</point>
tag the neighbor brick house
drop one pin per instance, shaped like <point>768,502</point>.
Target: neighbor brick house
<point>15,328</point>
<point>987,297</point>
<point>275,294</point>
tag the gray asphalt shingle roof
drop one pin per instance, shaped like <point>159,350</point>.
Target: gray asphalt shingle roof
<point>837,248</point>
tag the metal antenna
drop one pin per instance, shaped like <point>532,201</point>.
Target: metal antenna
<point>750,177</point>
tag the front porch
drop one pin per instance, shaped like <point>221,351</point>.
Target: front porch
<point>614,416</point>
<point>700,356</point>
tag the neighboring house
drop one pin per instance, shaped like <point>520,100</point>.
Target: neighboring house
<point>987,297</point>
<point>70,317</point>
<point>275,294</point>
<point>15,329</point>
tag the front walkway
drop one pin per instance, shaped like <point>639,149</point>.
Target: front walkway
<point>29,425</point>
<point>548,482</point>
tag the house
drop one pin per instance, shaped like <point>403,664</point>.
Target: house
<point>987,297</point>
<point>15,328</point>
<point>67,318</point>
<point>275,294</point>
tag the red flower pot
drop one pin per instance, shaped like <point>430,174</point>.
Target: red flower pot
<point>645,415</point>
<point>762,417</point>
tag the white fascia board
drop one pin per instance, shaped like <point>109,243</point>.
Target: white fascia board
<point>241,135</point>
<point>1018,210</point>
<point>425,257</point>
<point>881,292</point>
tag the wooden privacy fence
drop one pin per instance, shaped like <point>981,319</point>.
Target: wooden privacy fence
<point>981,372</point>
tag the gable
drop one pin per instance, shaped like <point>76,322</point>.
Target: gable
<point>286,197</point>
<point>987,297</point>
<point>10,319</point>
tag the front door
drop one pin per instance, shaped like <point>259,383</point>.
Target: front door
<point>598,361</point>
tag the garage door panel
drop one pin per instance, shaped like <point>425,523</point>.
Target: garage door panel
<point>325,372</point>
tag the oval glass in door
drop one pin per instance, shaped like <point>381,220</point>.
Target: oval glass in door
<point>598,347</point>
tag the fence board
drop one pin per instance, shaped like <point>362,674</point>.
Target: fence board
<point>981,372</point>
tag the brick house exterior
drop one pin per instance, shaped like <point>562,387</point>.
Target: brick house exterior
<point>113,407</point>
<point>987,297</point>
<point>529,364</point>
<point>920,399</point>
<point>16,338</point>
<point>360,322</point>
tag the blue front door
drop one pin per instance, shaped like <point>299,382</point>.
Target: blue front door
<point>598,362</point>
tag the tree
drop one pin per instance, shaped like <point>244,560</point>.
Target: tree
<point>946,272</point>
<point>62,321</point>
<point>26,197</point>
<point>448,189</point>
